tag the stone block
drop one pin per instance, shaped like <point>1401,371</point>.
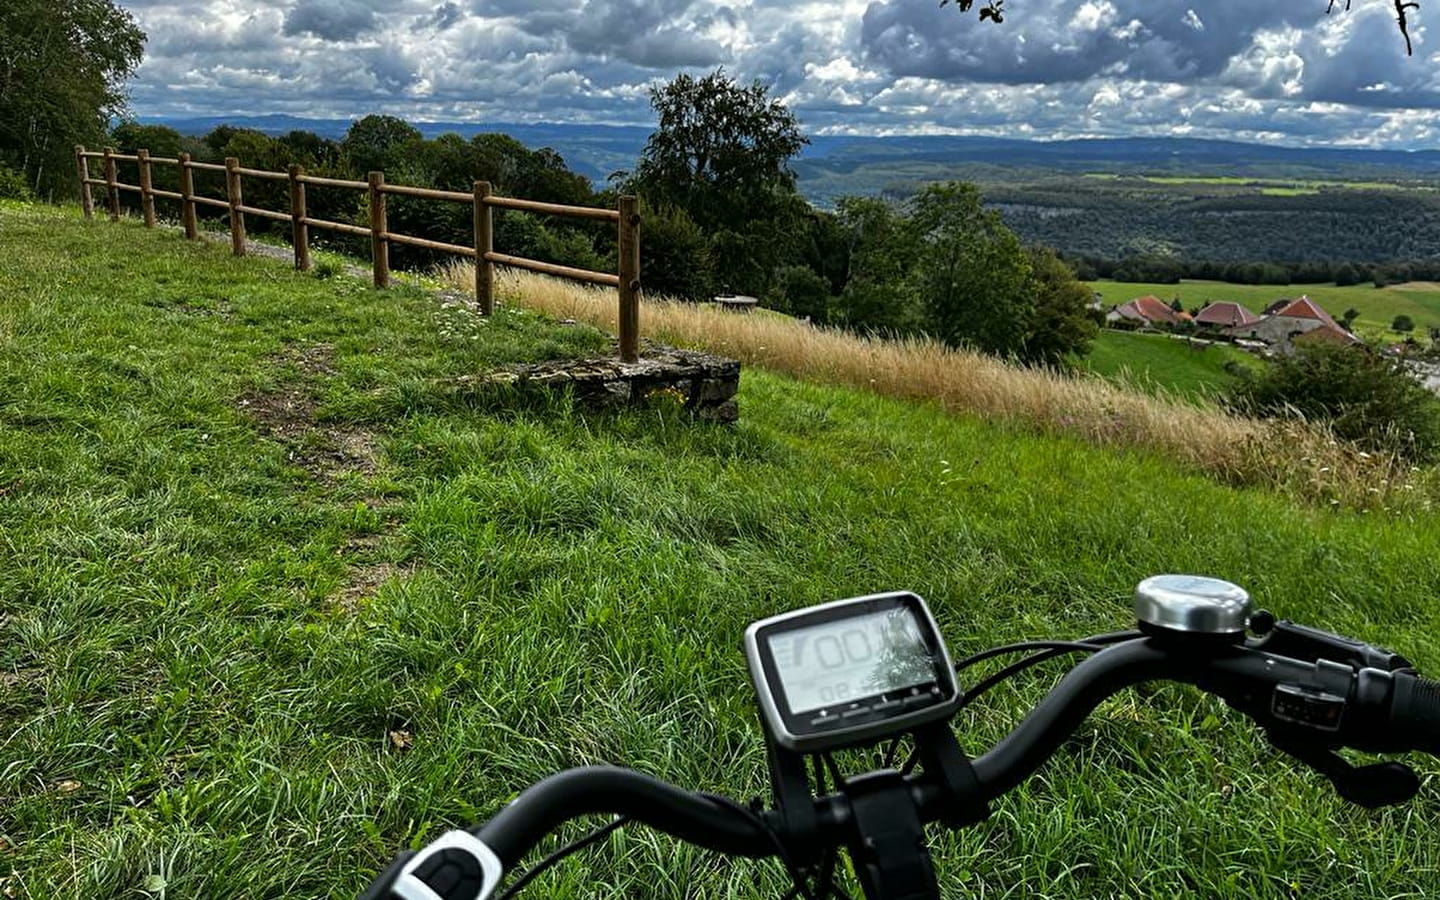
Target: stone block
<point>707,383</point>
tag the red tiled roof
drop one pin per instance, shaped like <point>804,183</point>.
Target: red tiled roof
<point>1305,308</point>
<point>1149,308</point>
<point>1330,334</point>
<point>1226,314</point>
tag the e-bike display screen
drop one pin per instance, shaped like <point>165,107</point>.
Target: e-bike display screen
<point>849,672</point>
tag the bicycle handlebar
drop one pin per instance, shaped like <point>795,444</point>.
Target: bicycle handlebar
<point>1415,710</point>
<point>1308,704</point>
<point>690,816</point>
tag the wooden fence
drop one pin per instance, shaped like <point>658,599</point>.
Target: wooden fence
<point>626,215</point>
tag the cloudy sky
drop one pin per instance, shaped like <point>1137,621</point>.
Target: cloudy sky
<point>1266,70</point>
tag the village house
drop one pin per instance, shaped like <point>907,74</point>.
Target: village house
<point>1147,310</point>
<point>1285,324</point>
<point>1288,323</point>
<point>1224,315</point>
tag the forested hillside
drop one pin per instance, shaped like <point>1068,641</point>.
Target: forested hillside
<point>1117,218</point>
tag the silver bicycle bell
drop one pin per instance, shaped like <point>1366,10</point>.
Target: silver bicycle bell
<point>1192,605</point>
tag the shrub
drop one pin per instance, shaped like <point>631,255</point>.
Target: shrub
<point>327,268</point>
<point>800,291</point>
<point>522,234</point>
<point>1402,323</point>
<point>13,186</point>
<point>675,257</point>
<point>1363,396</point>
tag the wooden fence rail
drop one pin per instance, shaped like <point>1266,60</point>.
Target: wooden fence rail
<point>483,202</point>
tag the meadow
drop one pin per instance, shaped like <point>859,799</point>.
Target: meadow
<point>282,592</point>
<point>1161,364</point>
<point>1276,186</point>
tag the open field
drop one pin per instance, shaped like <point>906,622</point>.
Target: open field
<point>279,596</point>
<point>1378,307</point>
<point>1163,364</point>
<point>1278,186</point>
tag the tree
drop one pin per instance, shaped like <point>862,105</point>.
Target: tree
<point>308,148</point>
<point>377,142</point>
<point>1347,275</point>
<point>826,248</point>
<point>160,140</point>
<point>1348,317</point>
<point>1402,323</point>
<point>994,11</point>
<point>1061,324</point>
<point>970,272</point>
<point>219,136</point>
<point>721,152</point>
<point>877,295</point>
<point>63,64</point>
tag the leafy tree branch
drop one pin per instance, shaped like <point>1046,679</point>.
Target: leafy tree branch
<point>994,11</point>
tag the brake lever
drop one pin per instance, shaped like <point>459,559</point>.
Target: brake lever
<point>1286,638</point>
<point>1380,784</point>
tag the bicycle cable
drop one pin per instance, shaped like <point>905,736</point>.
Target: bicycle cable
<point>593,837</point>
<point>1047,650</point>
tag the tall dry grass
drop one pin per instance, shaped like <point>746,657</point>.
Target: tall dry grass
<point>1303,460</point>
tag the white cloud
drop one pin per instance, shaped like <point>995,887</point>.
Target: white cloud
<point>1093,16</point>
<point>1055,68</point>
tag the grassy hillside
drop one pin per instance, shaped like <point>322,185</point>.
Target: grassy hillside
<point>1303,460</point>
<point>279,596</point>
<point>1163,364</point>
<point>1378,307</point>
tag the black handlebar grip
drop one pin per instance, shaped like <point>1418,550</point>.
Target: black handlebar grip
<point>1415,712</point>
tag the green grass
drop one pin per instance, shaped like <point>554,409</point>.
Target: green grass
<point>250,527</point>
<point>1165,365</point>
<point>1378,307</point>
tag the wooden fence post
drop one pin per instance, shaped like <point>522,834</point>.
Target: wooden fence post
<point>379,246</point>
<point>237,199</point>
<point>111,178</point>
<point>82,168</point>
<point>484,243</point>
<point>187,198</point>
<point>629,279</point>
<point>147,189</point>
<point>299,231</point>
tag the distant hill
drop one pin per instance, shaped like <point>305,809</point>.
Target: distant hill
<point>836,165</point>
<point>594,151</point>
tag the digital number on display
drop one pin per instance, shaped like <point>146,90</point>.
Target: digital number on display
<point>833,662</point>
